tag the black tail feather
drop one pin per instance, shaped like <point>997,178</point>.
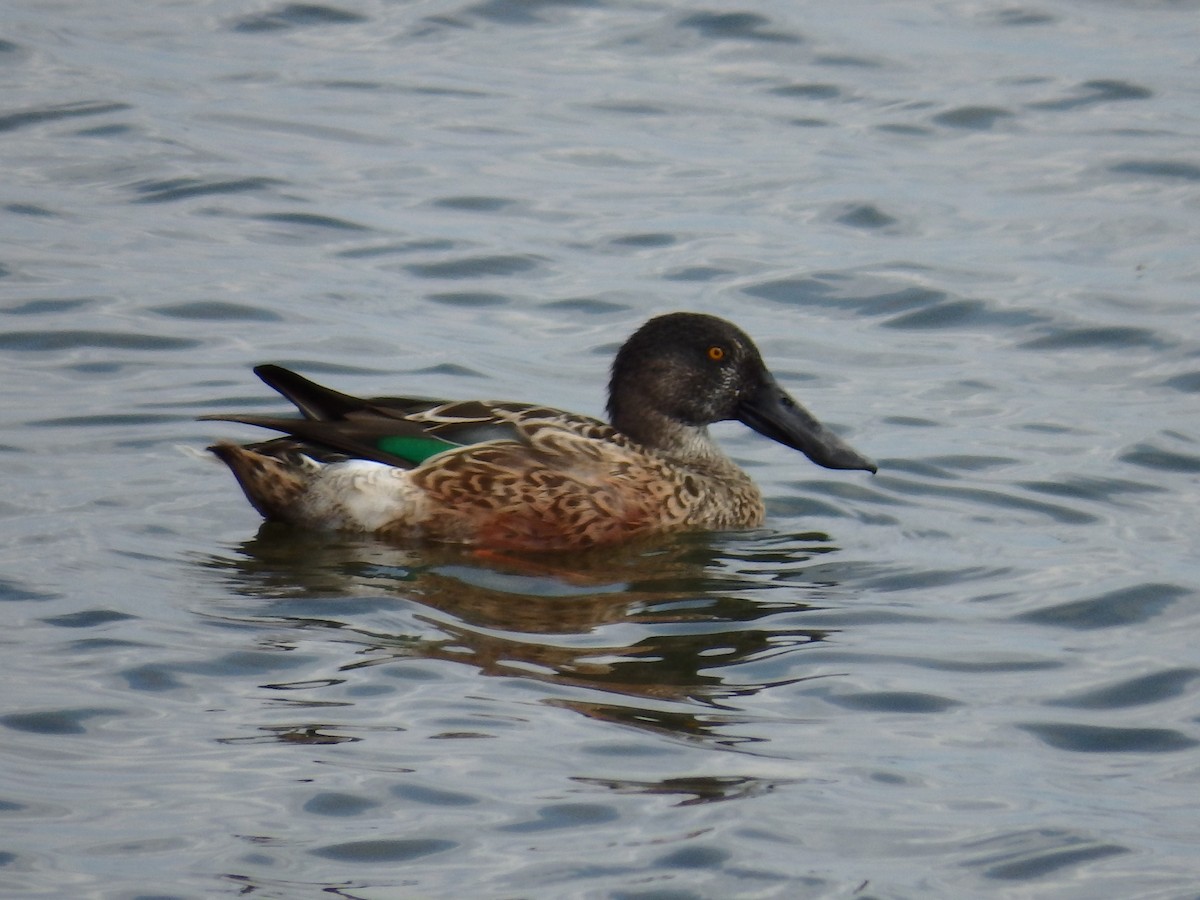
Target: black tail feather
<point>315,401</point>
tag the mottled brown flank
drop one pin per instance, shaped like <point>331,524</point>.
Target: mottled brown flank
<point>577,489</point>
<point>570,482</point>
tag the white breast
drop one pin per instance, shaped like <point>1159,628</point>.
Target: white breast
<point>362,495</point>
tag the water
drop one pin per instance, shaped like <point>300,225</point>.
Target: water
<point>963,234</point>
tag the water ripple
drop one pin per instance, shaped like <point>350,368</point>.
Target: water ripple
<point>47,341</point>
<point>696,790</point>
<point>1140,691</point>
<point>1083,338</point>
<point>1163,168</point>
<point>864,215</point>
<point>419,793</point>
<point>57,721</point>
<point>1108,490</point>
<point>1149,456</point>
<point>564,815</point>
<point>1022,17</point>
<point>383,850</point>
<point>332,803</point>
<point>15,591</point>
<point>25,118</point>
<point>470,299</point>
<point>1119,608</point>
<point>523,12</point>
<point>949,313</point>
<point>175,189</point>
<point>1100,90</point>
<point>1034,854</point>
<point>736,26</point>
<point>1108,739</point>
<point>975,118</point>
<point>42,306</point>
<point>475,267</point>
<point>476,203</point>
<point>895,702</point>
<point>990,497</point>
<point>824,292</point>
<point>215,310</point>
<point>808,91</point>
<point>296,15</point>
<point>1189,383</point>
<point>87,618</point>
<point>312,220</point>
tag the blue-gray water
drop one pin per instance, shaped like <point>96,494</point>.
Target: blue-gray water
<point>965,234</point>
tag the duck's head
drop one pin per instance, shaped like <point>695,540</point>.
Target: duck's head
<point>682,371</point>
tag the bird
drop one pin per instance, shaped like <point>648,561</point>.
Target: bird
<point>520,477</point>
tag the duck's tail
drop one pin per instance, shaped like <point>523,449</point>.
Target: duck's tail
<point>273,486</point>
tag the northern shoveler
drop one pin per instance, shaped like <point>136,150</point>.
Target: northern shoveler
<point>519,477</point>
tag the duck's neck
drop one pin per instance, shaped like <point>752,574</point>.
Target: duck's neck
<point>687,444</point>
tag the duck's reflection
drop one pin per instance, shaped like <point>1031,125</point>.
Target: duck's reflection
<point>670,624</point>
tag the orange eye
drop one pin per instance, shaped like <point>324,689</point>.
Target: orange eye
<point>715,353</point>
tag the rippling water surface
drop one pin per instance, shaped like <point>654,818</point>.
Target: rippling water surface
<point>964,234</point>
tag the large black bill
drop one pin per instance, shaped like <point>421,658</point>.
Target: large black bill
<point>772,413</point>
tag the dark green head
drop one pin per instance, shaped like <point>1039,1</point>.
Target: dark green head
<point>689,369</point>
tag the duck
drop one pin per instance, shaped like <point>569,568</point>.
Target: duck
<point>520,477</point>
